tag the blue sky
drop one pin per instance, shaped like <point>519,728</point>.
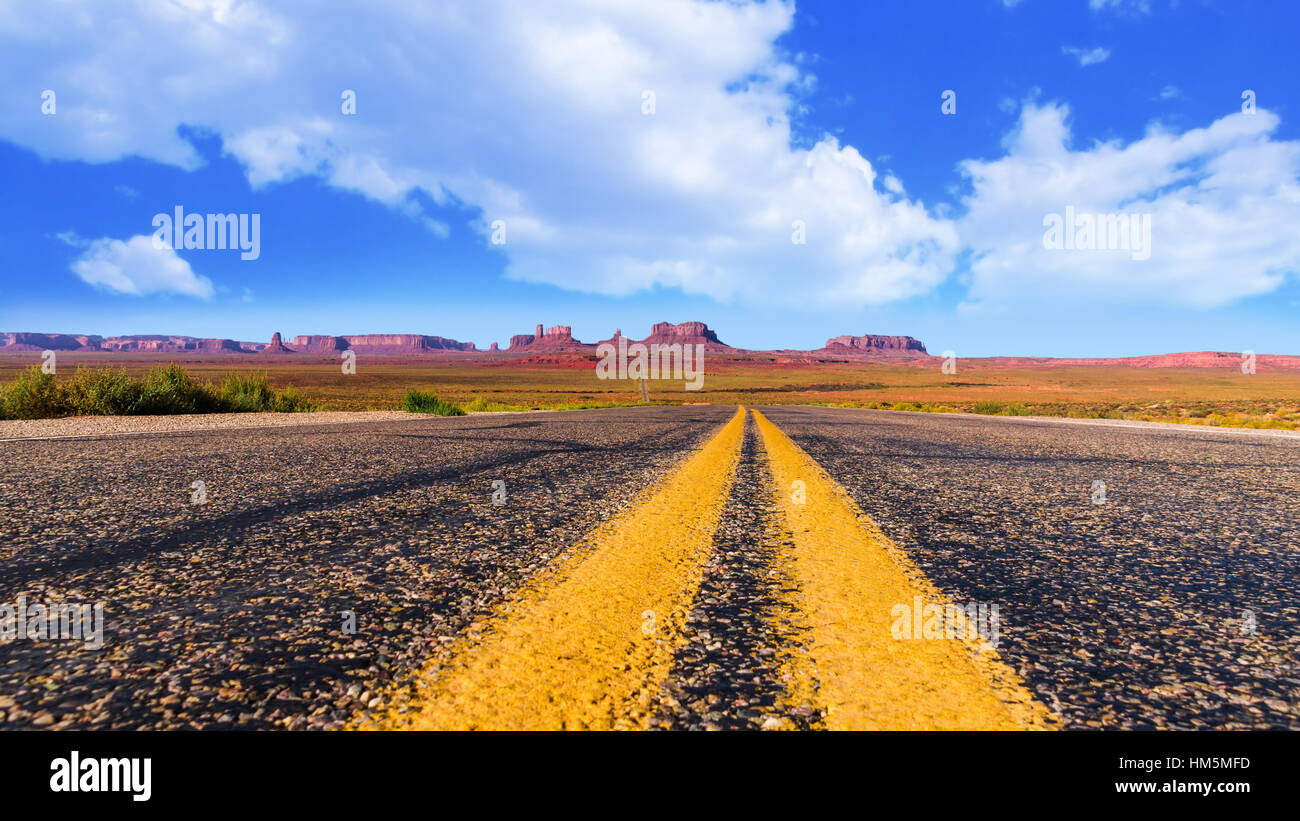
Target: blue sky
<point>765,116</point>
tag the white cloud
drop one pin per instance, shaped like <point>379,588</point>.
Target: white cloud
<point>1087,56</point>
<point>531,112</point>
<point>136,267</point>
<point>1224,201</point>
<point>1123,6</point>
<point>439,229</point>
<point>1170,93</point>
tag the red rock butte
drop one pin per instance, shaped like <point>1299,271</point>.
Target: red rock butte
<point>872,342</point>
<point>687,333</point>
<point>368,343</point>
<point>555,338</point>
<point>139,343</point>
<point>557,344</point>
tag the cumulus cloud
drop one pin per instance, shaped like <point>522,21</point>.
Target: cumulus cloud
<point>1122,6</point>
<point>631,145</point>
<point>1087,56</point>
<point>136,267</point>
<point>1223,201</point>
<point>624,145</point>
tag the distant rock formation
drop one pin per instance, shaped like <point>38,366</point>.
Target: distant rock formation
<point>161,344</point>
<point>49,342</point>
<point>170,344</point>
<point>693,333</point>
<point>139,343</point>
<point>438,343</point>
<point>556,345</point>
<point>687,333</point>
<point>871,343</point>
<point>317,343</point>
<point>1216,360</point>
<point>555,338</point>
<point>276,346</point>
<point>375,343</point>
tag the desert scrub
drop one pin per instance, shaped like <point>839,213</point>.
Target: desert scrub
<point>34,395</point>
<point>253,392</point>
<point>103,392</point>
<point>425,402</point>
<point>247,392</point>
<point>170,389</point>
<point>166,389</point>
<point>594,404</point>
<point>292,400</point>
<point>480,405</point>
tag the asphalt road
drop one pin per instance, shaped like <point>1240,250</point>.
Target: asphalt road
<point>1128,610</point>
<point>228,614</point>
<point>1128,613</point>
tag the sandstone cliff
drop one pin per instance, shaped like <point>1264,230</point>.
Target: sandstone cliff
<point>276,346</point>
<point>49,342</point>
<point>686,333</point>
<point>871,343</point>
<point>555,338</point>
<point>374,343</point>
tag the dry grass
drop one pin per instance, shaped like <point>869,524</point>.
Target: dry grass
<point>1189,395</point>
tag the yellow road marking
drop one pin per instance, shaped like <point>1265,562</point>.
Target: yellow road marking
<point>850,577</point>
<point>586,647</point>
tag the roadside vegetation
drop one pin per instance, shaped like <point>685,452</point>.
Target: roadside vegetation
<point>418,401</point>
<point>425,402</point>
<point>480,405</point>
<point>1195,396</point>
<point>1280,415</point>
<point>165,389</point>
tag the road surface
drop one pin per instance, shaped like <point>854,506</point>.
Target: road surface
<point>662,567</point>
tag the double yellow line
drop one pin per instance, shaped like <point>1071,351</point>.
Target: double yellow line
<point>587,645</point>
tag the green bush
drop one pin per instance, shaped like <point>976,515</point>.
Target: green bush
<point>1017,409</point>
<point>103,392</point>
<point>247,392</point>
<point>291,400</point>
<point>170,389</point>
<point>479,405</point>
<point>35,395</point>
<point>167,389</point>
<point>425,402</point>
<point>988,408</point>
<point>252,392</point>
